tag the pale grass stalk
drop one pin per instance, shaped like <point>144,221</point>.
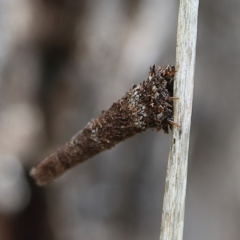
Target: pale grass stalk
<point>176,179</point>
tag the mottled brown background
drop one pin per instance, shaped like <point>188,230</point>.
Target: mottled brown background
<point>61,63</point>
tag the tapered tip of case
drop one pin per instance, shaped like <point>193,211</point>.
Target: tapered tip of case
<point>45,172</point>
<point>34,174</point>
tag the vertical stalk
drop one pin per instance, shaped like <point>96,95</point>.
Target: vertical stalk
<point>176,179</point>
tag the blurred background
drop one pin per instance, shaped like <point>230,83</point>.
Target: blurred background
<point>61,63</point>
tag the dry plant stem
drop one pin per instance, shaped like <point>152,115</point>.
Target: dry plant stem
<point>176,179</point>
<point>146,105</point>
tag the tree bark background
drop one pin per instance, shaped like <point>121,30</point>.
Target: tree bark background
<point>61,64</point>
